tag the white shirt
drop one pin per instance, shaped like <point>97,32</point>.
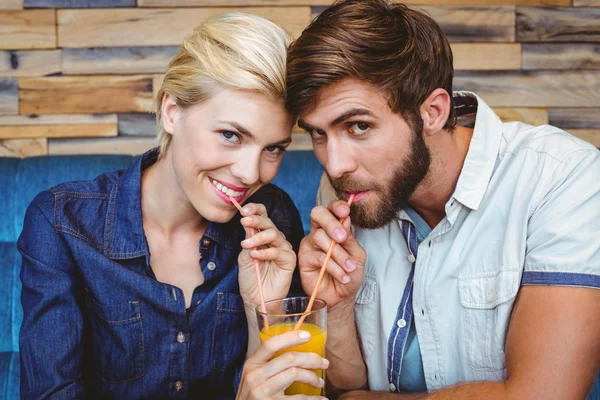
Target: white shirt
<point>525,211</point>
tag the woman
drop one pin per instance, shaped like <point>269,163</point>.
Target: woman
<point>130,281</point>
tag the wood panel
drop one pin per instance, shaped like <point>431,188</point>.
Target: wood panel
<point>11,4</point>
<point>157,81</point>
<point>118,60</point>
<point>137,124</point>
<point>470,24</point>
<point>561,56</point>
<point>300,141</point>
<point>57,131</point>
<point>9,102</point>
<point>586,3</point>
<point>533,88</point>
<point>118,145</point>
<point>531,116</point>
<point>579,118</point>
<point>85,95</point>
<point>486,56</point>
<point>558,24</point>
<point>589,135</point>
<point>23,147</point>
<point>156,27</point>
<point>75,119</point>
<point>78,3</point>
<point>27,29</point>
<point>30,62</point>
<point>288,3</point>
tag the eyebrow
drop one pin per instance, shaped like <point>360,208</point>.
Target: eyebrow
<point>248,134</point>
<point>347,115</point>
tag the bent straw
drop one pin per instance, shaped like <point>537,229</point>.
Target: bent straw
<point>321,274</point>
<point>256,269</point>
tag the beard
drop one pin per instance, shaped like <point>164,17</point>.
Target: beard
<point>393,195</point>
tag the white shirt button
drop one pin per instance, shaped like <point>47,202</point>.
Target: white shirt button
<point>411,258</point>
<point>178,385</point>
<point>491,296</point>
<point>211,266</point>
<point>392,387</point>
<point>180,337</point>
<point>401,323</point>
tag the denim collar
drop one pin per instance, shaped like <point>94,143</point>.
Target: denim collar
<point>124,230</point>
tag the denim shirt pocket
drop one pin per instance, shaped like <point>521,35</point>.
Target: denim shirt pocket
<point>117,340</point>
<point>366,311</point>
<point>230,334</point>
<point>487,299</point>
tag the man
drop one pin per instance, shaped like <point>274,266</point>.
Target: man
<point>473,266</point>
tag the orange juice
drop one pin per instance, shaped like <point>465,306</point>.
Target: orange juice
<point>316,344</point>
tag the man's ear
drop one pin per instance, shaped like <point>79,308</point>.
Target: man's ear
<point>169,113</point>
<point>434,111</point>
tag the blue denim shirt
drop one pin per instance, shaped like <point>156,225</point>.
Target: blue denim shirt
<point>97,323</point>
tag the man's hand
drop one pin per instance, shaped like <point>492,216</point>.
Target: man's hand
<point>345,268</point>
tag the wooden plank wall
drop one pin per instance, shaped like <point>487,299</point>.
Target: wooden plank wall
<point>79,76</point>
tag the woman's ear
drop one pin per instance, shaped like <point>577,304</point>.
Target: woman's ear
<point>169,113</point>
<point>434,111</point>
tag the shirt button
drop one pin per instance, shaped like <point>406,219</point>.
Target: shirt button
<point>401,323</point>
<point>211,266</point>
<point>206,242</point>
<point>392,387</point>
<point>491,296</point>
<point>411,258</point>
<point>178,385</point>
<point>180,337</point>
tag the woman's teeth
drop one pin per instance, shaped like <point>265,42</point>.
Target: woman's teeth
<point>226,190</point>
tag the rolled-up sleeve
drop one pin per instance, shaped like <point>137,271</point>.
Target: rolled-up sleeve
<point>563,238</point>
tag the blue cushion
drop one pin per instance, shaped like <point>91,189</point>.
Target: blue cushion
<point>11,312</point>
<point>8,171</point>
<point>9,375</point>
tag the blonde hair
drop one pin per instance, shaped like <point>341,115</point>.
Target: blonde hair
<point>233,50</point>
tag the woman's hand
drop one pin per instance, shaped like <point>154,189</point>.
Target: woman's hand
<point>271,248</point>
<point>265,377</point>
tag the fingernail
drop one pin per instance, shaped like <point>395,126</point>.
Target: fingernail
<point>350,265</point>
<point>325,362</point>
<point>246,210</point>
<point>321,381</point>
<point>342,209</point>
<point>339,234</point>
<point>247,242</point>
<point>304,335</point>
<point>345,279</point>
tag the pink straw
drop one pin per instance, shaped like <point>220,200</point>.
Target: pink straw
<point>321,274</point>
<point>257,269</point>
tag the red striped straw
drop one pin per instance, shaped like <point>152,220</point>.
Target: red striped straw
<point>256,269</point>
<point>313,296</point>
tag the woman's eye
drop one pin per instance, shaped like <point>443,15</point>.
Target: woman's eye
<point>230,136</point>
<point>359,128</point>
<point>275,149</point>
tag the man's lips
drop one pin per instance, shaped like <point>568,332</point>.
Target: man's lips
<point>357,195</point>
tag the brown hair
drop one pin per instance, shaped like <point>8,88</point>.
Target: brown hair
<point>402,52</point>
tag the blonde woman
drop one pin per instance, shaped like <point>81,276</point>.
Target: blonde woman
<point>130,281</point>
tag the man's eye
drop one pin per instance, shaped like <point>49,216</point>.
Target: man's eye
<point>359,128</point>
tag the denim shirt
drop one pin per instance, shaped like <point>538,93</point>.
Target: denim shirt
<point>98,324</point>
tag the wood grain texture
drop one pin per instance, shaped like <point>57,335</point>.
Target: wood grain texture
<point>155,27</point>
<point>288,3</point>
<point>157,81</point>
<point>470,24</point>
<point>533,88</point>
<point>578,118</point>
<point>531,116</point>
<point>27,29</point>
<point>486,56</point>
<point>137,124</point>
<point>78,3</point>
<point>118,145</point>
<point>550,24</point>
<point>586,3</point>
<point>589,135</point>
<point>74,119</point>
<point>561,56</point>
<point>85,95</point>
<point>30,62</point>
<point>23,147</point>
<point>118,60</point>
<point>11,4</point>
<point>9,101</point>
<point>300,141</point>
<point>57,131</point>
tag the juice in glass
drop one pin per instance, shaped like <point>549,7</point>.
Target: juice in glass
<point>282,316</point>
